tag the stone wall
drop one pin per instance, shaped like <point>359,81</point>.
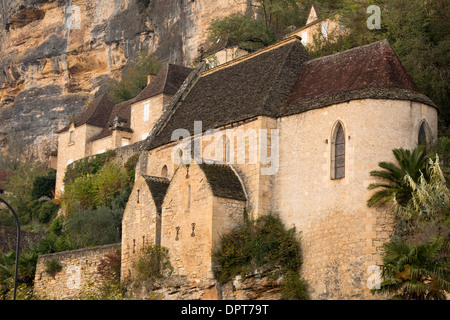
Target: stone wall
<point>244,140</point>
<point>141,126</point>
<point>140,226</point>
<point>79,270</point>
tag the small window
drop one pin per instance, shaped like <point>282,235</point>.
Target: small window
<point>164,171</point>
<point>189,197</point>
<point>125,142</point>
<point>71,137</point>
<point>338,153</point>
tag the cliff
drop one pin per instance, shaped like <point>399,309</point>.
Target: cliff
<point>56,54</point>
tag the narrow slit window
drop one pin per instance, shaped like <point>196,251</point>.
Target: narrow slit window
<point>339,153</point>
<point>164,171</point>
<point>189,197</point>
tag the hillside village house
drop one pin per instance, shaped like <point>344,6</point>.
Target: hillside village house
<point>104,125</point>
<point>321,124</point>
<point>317,25</point>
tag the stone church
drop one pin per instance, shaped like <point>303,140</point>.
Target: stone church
<point>273,131</point>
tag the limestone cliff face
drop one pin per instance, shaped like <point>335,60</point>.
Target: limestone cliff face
<point>55,54</point>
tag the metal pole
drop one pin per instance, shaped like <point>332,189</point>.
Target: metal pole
<point>17,246</point>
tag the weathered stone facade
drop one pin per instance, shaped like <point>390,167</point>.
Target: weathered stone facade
<point>78,273</point>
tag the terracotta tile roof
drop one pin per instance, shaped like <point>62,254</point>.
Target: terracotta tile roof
<point>168,80</point>
<point>371,71</point>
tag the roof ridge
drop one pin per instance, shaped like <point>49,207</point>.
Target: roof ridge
<point>97,102</point>
<point>267,99</point>
<point>251,55</point>
<point>155,178</point>
<point>350,50</point>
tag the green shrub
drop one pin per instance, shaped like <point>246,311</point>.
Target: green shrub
<point>153,263</point>
<point>56,227</point>
<point>94,227</point>
<point>130,166</point>
<point>87,166</point>
<point>264,242</point>
<point>134,78</point>
<point>52,267</point>
<point>109,183</point>
<point>80,192</point>
<point>47,210</point>
<point>44,186</point>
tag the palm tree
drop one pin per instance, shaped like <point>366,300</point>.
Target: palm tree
<point>416,271</point>
<point>412,164</point>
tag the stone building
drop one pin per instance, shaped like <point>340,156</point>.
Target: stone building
<point>318,25</point>
<point>104,125</point>
<point>275,131</point>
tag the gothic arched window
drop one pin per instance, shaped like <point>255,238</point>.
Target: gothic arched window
<point>422,139</point>
<point>338,153</point>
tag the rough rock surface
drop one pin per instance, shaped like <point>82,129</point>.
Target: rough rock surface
<point>255,286</point>
<point>56,54</point>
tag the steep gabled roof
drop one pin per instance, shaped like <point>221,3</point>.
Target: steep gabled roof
<point>223,181</point>
<point>168,81</point>
<point>96,114</point>
<point>121,110</point>
<point>257,84</point>
<point>158,188</point>
<point>371,71</point>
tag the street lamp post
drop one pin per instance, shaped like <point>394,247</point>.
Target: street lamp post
<point>17,245</point>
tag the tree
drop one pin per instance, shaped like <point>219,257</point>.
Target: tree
<point>134,78</point>
<point>416,271</point>
<point>416,30</point>
<point>395,186</point>
<point>242,30</point>
<point>268,22</point>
